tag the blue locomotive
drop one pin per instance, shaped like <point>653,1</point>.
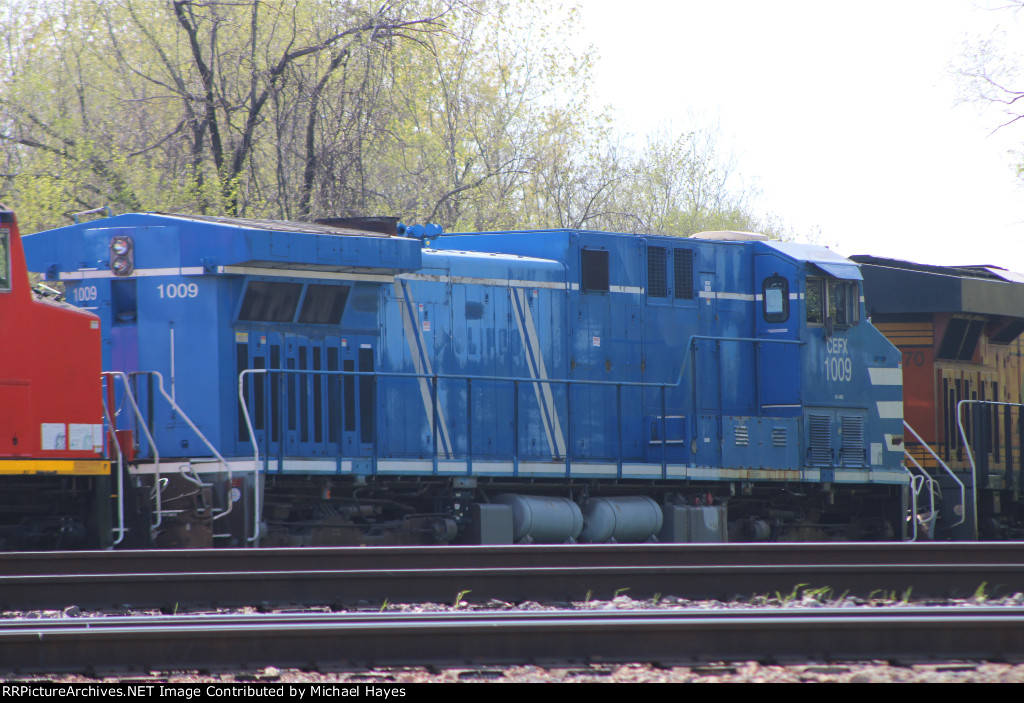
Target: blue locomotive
<point>294,383</point>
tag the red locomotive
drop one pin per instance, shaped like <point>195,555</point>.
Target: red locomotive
<point>55,477</point>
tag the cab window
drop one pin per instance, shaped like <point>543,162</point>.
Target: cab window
<point>814,301</point>
<point>5,260</point>
<point>775,299</point>
<point>839,298</point>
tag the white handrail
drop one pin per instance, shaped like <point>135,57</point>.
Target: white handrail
<point>913,502</point>
<point>213,449</point>
<point>148,437</point>
<point>120,476</point>
<point>970,456</point>
<point>256,453</point>
<point>917,481</point>
<point>963,491</point>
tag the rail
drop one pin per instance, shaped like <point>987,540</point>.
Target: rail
<point>471,640</point>
<point>342,576</point>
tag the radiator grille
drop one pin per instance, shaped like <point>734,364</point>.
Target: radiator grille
<point>852,451</point>
<point>820,439</point>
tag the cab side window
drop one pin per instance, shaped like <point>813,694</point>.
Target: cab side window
<point>5,260</point>
<point>843,299</point>
<point>832,298</point>
<point>814,301</point>
<point>775,299</point>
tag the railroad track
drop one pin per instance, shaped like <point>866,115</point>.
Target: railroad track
<point>345,576</point>
<point>667,637</point>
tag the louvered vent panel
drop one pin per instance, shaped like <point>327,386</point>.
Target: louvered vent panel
<point>778,436</point>
<point>742,436</point>
<point>852,452</point>
<point>820,442</point>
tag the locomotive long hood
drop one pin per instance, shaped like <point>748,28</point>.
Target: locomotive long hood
<point>210,243</point>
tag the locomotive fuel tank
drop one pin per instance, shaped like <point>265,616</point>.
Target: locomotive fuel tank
<point>621,519</point>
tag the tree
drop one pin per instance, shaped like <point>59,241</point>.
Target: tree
<point>470,113</point>
<point>991,76</point>
<point>474,112</point>
<point>194,90</point>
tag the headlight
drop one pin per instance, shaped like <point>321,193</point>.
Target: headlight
<point>122,255</point>
<point>121,245</point>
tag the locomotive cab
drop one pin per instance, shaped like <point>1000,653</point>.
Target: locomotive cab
<point>850,372</point>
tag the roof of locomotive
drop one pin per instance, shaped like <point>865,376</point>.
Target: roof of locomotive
<point>555,244</point>
<point>969,271</point>
<point>274,225</point>
<point>164,241</point>
<point>893,286</point>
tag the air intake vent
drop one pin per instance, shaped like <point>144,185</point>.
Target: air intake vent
<point>852,451</point>
<point>960,340</point>
<point>779,436</point>
<point>657,272</point>
<point>742,436</point>
<point>820,439</point>
<point>682,264</point>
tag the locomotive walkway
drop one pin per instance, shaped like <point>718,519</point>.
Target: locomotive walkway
<point>342,577</point>
<point>325,642</point>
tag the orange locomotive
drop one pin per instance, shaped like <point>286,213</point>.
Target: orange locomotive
<point>54,477</point>
<point>959,329</point>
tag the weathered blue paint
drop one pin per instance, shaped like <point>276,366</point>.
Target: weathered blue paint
<point>493,354</point>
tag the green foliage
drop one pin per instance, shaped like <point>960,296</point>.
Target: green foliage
<point>792,596</point>
<point>470,113</point>
<point>821,594</point>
